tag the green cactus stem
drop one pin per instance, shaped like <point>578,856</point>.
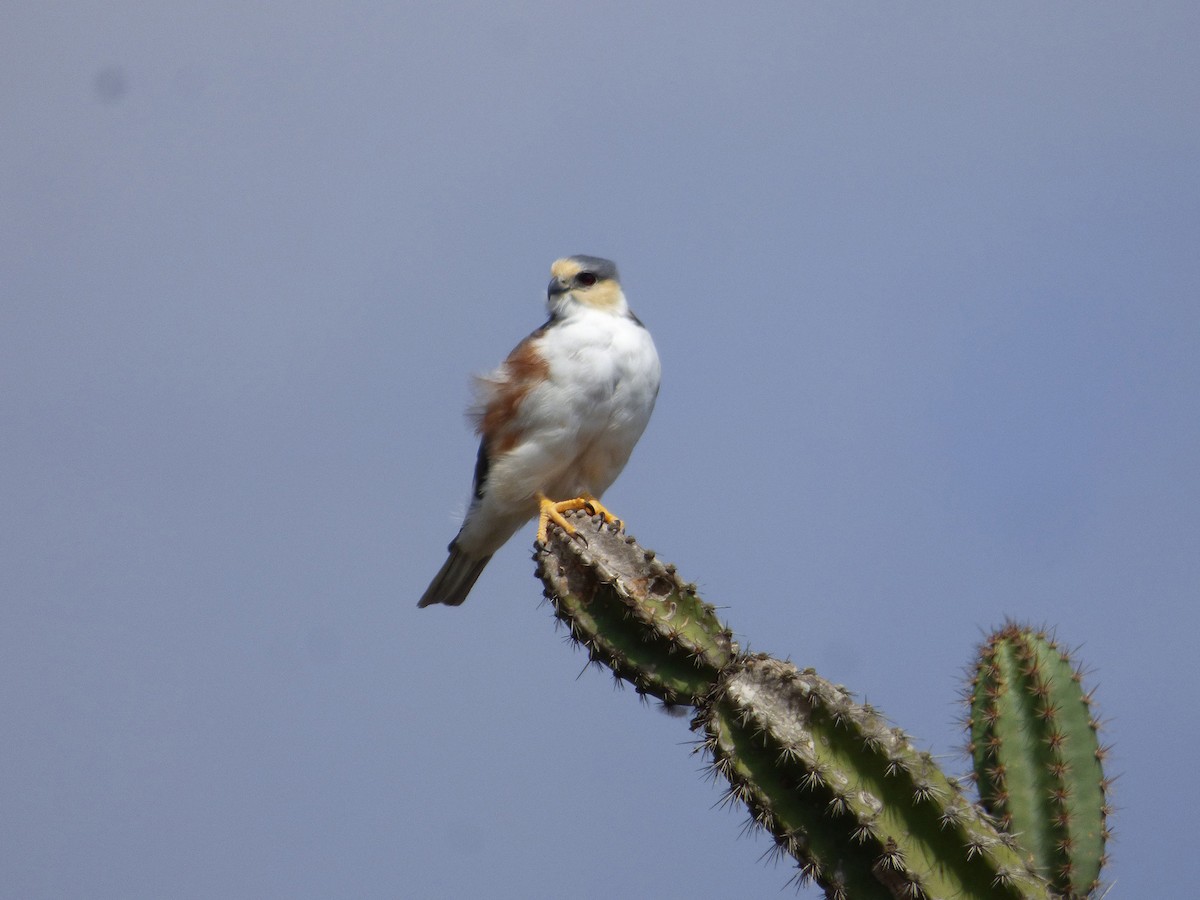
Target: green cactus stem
<point>632,613</point>
<point>847,796</point>
<point>1037,757</point>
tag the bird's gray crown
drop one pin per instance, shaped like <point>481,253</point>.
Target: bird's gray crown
<point>601,268</point>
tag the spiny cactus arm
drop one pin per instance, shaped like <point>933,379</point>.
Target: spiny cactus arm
<point>1037,756</point>
<point>847,796</point>
<point>631,612</point>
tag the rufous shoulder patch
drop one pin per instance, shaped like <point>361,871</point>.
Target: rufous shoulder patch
<point>524,370</point>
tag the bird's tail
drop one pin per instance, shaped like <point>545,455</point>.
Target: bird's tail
<point>455,580</point>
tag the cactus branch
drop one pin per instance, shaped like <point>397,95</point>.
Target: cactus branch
<point>1037,756</point>
<point>862,812</point>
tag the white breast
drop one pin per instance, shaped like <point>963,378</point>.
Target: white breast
<point>581,425</point>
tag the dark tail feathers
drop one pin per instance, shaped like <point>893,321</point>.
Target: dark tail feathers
<point>455,580</point>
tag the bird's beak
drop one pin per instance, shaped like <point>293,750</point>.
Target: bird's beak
<point>557,286</point>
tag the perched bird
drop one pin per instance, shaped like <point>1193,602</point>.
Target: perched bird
<point>557,420</point>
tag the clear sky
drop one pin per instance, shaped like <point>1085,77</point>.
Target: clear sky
<point>925,281</point>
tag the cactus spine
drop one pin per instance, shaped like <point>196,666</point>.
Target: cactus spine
<point>1037,757</point>
<point>862,812</point>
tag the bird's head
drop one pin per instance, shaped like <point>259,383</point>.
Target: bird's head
<point>587,281</point>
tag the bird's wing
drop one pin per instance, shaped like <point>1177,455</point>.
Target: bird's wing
<point>496,411</point>
<point>482,461</point>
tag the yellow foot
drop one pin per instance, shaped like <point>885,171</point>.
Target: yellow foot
<point>552,511</point>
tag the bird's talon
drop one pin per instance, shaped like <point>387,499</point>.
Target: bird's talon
<point>594,507</point>
<point>553,512</point>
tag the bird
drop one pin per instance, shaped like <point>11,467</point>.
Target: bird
<point>557,420</point>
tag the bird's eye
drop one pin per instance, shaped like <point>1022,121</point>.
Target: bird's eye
<point>585,279</point>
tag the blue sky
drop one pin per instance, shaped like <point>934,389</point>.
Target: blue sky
<point>926,289</point>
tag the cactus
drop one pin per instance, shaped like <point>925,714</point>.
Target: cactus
<point>862,812</point>
<point>633,614</point>
<point>1037,757</point>
<point>849,797</point>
